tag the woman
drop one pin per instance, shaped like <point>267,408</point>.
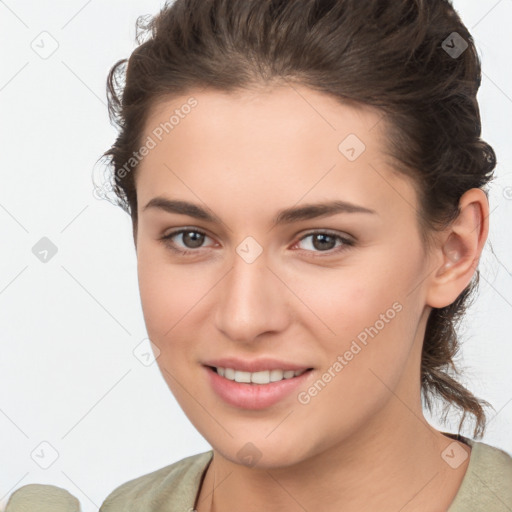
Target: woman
<point>306,184</point>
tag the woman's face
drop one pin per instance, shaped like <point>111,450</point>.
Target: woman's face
<point>341,292</point>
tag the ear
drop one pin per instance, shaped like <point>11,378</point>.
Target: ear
<point>458,254</point>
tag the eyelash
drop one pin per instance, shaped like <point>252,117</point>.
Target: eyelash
<point>347,243</point>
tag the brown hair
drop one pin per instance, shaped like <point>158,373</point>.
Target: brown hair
<point>399,56</point>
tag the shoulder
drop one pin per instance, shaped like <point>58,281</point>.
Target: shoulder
<point>487,484</point>
<point>172,487</point>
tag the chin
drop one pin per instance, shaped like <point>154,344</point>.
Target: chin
<point>261,453</point>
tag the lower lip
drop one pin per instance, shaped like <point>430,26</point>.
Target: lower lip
<point>254,396</point>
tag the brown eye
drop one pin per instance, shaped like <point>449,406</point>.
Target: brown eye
<point>191,239</point>
<point>322,241</point>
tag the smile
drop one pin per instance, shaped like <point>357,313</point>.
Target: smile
<point>262,377</point>
<point>255,390</point>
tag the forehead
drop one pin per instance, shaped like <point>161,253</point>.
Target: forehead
<point>287,111</point>
<point>282,145</point>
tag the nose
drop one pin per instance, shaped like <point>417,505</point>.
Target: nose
<point>252,301</point>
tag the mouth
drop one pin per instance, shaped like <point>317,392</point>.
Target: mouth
<point>257,378</point>
<point>256,390</point>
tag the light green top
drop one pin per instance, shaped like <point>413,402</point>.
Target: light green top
<point>486,487</point>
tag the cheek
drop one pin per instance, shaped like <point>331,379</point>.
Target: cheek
<point>366,311</point>
<point>168,292</point>
<point>169,296</point>
<point>345,302</point>
<point>367,343</point>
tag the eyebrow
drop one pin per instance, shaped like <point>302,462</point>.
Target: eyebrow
<point>286,216</point>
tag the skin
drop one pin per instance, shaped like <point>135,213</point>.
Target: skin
<point>363,442</point>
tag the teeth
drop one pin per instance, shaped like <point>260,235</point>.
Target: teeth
<point>264,377</point>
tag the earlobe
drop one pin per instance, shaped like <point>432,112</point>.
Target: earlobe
<point>461,250</point>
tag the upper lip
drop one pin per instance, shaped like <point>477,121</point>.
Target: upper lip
<point>255,365</point>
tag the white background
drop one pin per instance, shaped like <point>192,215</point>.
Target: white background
<point>68,327</point>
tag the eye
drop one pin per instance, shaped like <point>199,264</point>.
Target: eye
<point>324,240</point>
<point>195,241</point>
